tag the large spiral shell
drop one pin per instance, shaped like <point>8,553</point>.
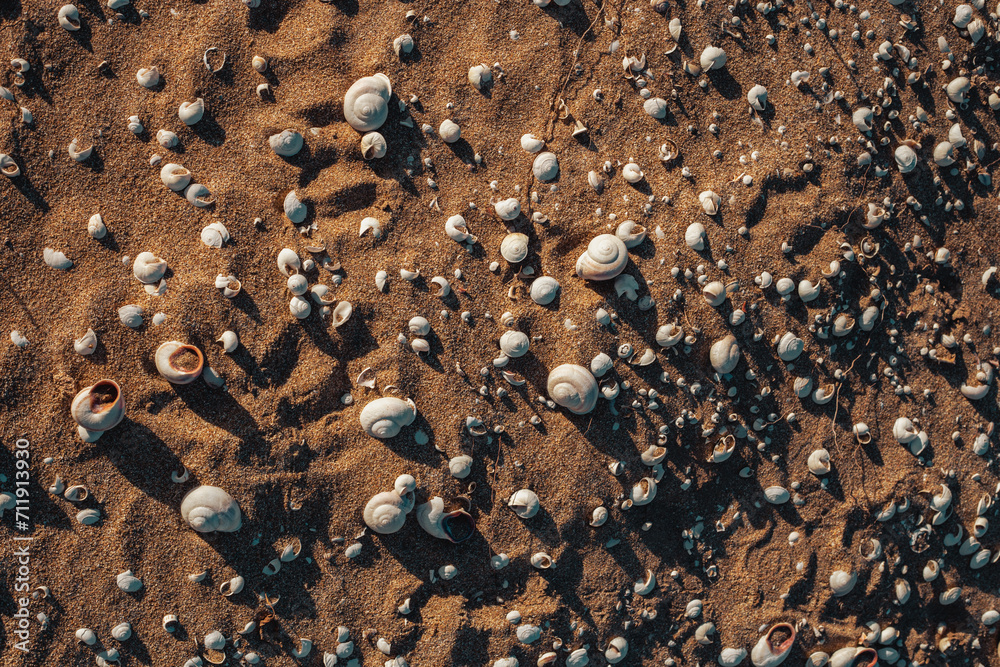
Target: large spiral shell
<point>99,407</point>
<point>573,387</point>
<point>366,102</point>
<point>385,417</point>
<point>605,257</point>
<point>209,508</point>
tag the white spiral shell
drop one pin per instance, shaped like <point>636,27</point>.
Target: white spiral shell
<point>514,247</point>
<point>148,268</point>
<point>712,58</point>
<point>545,167</point>
<point>508,209</point>
<point>790,347</point>
<point>605,257</point>
<point>514,344</point>
<point>99,407</point>
<point>366,102</point>
<point>209,508</point>
<point>386,512</point>
<point>457,230</point>
<point>286,143</point>
<point>174,176</point>
<point>385,417</point>
<point>179,363</point>
<point>373,146</point>
<point>191,112</point>
<point>573,387</point>
<point>544,290</point>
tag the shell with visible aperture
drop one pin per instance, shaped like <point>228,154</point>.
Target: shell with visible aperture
<point>179,363</point>
<point>286,143</point>
<point>99,407</point>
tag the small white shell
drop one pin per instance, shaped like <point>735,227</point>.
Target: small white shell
<point>616,651</point>
<point>130,316</point>
<point>757,97</point>
<point>385,417</point>
<point>299,307</point>
<point>214,235</point>
<point>174,176</point>
<point>544,290</point>
<point>514,344</point>
<point>289,262</point>
<point>403,45</point>
<point>694,236</point>
<point>366,102</point>
<point>8,166</point>
<point>958,90</point>
<point>524,503</point>
<point>122,631</point>
<point>709,202</point>
<point>480,76</point>
<point>148,77</point>
<point>56,259</point>
<point>790,347</point>
<point>531,143</point>
<point>514,247</point>
<point>819,462</point>
<point>166,138</point>
<point>842,583</point>
<point>198,195</point>
<point>135,125</point>
<point>906,159</point>
<point>373,146</point>
<point>295,210</point>
<point>669,335</point>
<point>69,18</point>
<point>460,466</point>
<point>77,153</point>
<point>86,344</point>
<point>373,224</point>
<point>191,112</point>
<point>179,363</point>
<point>148,268</point>
<point>605,258</point>
<point>776,495</point>
<point>128,582</point>
<point>508,209</point>
<point>457,230</point>
<point>655,107</point>
<point>573,387</point>
<point>449,131</point>
<point>286,143</point>
<point>712,58</point>
<point>545,167</point>
<point>386,512</point>
<point>632,173</point>
<point>541,561</point>
<point>725,355</point>
<point>630,233</point>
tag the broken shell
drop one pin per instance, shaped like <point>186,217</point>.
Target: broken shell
<point>630,233</point>
<point>342,313</point>
<point>372,224</point>
<point>69,18</point>
<point>179,363</point>
<point>99,407</point>
<point>232,587</point>
<point>8,166</point>
<point>286,143</point>
<point>77,493</point>
<point>198,195</point>
<point>86,344</point>
<point>573,387</point>
<point>824,394</point>
<point>643,491</point>
<point>531,143</point>
<point>541,560</point>
<point>903,430</point>
<point>148,77</point>
<point>385,417</point>
<point>403,45</point>
<point>457,230</point>
<point>456,525</point>
<point>229,285</point>
<point>373,146</point>
<point>86,636</point>
<point>709,202</point>
<point>958,90</point>
<point>209,508</point>
<point>757,97</point>
<point>514,247</point>
<point>669,335</point>
<point>616,651</point>
<point>605,258</point>
<point>766,653</point>
<point>288,262</point>
<point>524,503</point>
<point>79,154</point>
<point>191,112</point>
<point>862,433</point>
<point>646,586</point>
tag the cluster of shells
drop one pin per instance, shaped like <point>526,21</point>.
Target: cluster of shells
<point>703,365</point>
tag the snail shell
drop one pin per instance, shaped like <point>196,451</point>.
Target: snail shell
<point>191,112</point>
<point>725,354</point>
<point>385,417</point>
<point>8,166</point>
<point>524,503</point>
<point>712,58</point>
<point>694,236</point>
<point>514,344</point>
<point>480,76</point>
<point>286,143</point>
<point>148,77</point>
<point>179,363</point>
<point>632,173</point>
<point>710,202</point>
<point>790,347</point>
<point>655,107</point>
<point>669,335</point>
<point>457,230</point>
<point>366,102</point>
<point>403,45</point>
<point>819,462</point>
<point>449,131</point>
<point>842,583</point>
<point>166,138</point>
<point>386,512</point>
<point>531,143</point>
<point>209,508</point>
<point>545,167</point>
<point>605,258</point>
<point>543,290</point>
<point>373,146</point>
<point>454,526</point>
<point>99,407</point>
<point>757,97</point>
<point>906,159</point>
<point>508,209</point>
<point>174,176</point>
<point>295,210</point>
<point>514,247</point>
<point>630,233</point>
<point>69,18</point>
<point>573,387</point>
<point>148,268</point>
<point>198,195</point>
<point>86,344</point>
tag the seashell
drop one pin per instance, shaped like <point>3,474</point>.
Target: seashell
<point>69,18</point>
<point>950,596</point>
<point>342,313</point>
<point>198,195</point>
<point>627,286</point>
<point>842,583</point>
<point>958,90</point>
<point>545,167</point>
<point>455,525</point>
<point>863,119</point>
<point>449,131</point>
<point>403,45</point>
<point>596,181</point>
<point>209,508</point>
<point>527,634</point>
<point>8,166</point>
<point>170,623</point>
<point>419,326</point>
<point>86,636</point>
<point>669,335</point>
<point>79,154</point>
<point>655,107</point>
<point>385,417</point>
<point>714,293</point>
<point>723,449</point>
<point>990,617</point>
<point>630,233</point>
<point>88,517</point>
<point>524,503</point>
<point>819,462</point>
<point>725,355</point>
<point>135,125</point>
<point>616,651</point>
<point>460,466</point>
<point>128,582</point>
<point>903,430</point>
<point>544,290</point>
<point>130,316</point>
<point>600,365</point>
<point>731,657</point>
<point>457,230</point>
<point>776,495</point>
<point>480,76</point>
<point>862,433</point>
<point>148,268</point>
<point>175,177</point>
<point>531,143</point>
<point>790,347</point>
<point>712,58</point>
<point>514,247</point>
<point>229,285</point>
<point>99,407</point>
<point>191,112</point>
<point>289,262</point>
<point>514,344</point>
<point>508,209</point>
<point>694,236</point>
<point>148,77</point>
<point>645,586</point>
<point>632,173</point>
<point>824,394</point>
<point>122,631</point>
<point>757,97</point>
<point>373,146</point>
<point>766,653</point>
<point>372,224</point>
<point>179,363</point>
<point>981,445</point>
<point>286,143</point>
<point>56,259</point>
<point>573,387</point>
<point>541,560</point>
<point>644,491</point>
<point>807,291</point>
<point>386,512</point>
<point>599,517</point>
<point>843,325</point>
<point>86,344</point>
<point>232,587</point>
<point>906,159</point>
<point>295,210</point>
<point>605,258</point>
<point>77,493</point>
<point>709,202</point>
<point>214,235</point>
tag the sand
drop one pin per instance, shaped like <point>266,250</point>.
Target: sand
<point>282,440</point>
